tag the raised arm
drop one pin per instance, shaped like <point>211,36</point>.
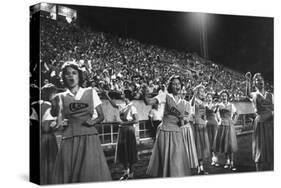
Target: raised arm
<point>248,76</point>
<point>147,100</point>
<point>110,100</point>
<point>192,100</point>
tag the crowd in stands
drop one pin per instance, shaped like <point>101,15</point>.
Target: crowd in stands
<point>115,63</point>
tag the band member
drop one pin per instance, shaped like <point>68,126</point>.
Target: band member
<point>225,139</point>
<point>49,146</point>
<point>80,157</point>
<point>212,124</point>
<point>126,151</point>
<point>174,151</point>
<point>155,118</point>
<point>200,127</point>
<point>262,143</point>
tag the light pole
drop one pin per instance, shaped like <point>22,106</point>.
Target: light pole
<point>203,36</point>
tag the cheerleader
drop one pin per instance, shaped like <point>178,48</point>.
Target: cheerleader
<point>48,143</point>
<point>80,157</point>
<point>126,151</point>
<point>262,143</point>
<point>212,124</point>
<point>200,127</point>
<point>225,139</point>
<point>174,151</point>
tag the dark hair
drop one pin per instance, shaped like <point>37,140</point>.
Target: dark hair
<point>154,105</point>
<point>74,66</point>
<point>169,89</point>
<point>129,94</point>
<point>47,90</point>
<point>226,92</point>
<point>209,93</point>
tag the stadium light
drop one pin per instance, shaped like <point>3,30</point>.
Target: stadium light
<point>200,20</point>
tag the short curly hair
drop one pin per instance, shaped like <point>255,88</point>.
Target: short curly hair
<point>47,90</point>
<point>128,94</point>
<point>226,92</point>
<point>169,89</point>
<point>75,66</point>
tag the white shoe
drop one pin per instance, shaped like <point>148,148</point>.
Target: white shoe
<point>215,161</point>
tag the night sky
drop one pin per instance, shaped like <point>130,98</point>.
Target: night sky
<point>242,43</point>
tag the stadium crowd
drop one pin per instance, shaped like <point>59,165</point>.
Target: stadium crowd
<point>115,64</point>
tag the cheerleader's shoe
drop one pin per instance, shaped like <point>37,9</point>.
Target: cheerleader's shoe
<point>227,165</point>
<point>215,162</point>
<point>203,172</point>
<point>233,168</point>
<point>125,176</point>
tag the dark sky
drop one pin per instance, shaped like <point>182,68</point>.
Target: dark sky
<point>242,43</point>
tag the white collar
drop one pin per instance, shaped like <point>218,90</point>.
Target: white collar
<point>225,105</point>
<point>171,95</point>
<point>258,92</point>
<point>78,94</point>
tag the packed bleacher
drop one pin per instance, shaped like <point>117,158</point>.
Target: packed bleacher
<point>115,63</point>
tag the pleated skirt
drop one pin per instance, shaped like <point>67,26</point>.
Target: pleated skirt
<point>126,151</point>
<point>225,140</point>
<point>201,141</point>
<point>262,144</point>
<point>211,129</point>
<point>80,159</point>
<point>173,154</point>
<point>48,155</point>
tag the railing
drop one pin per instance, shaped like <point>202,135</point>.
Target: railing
<point>244,123</point>
<point>108,132</point>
